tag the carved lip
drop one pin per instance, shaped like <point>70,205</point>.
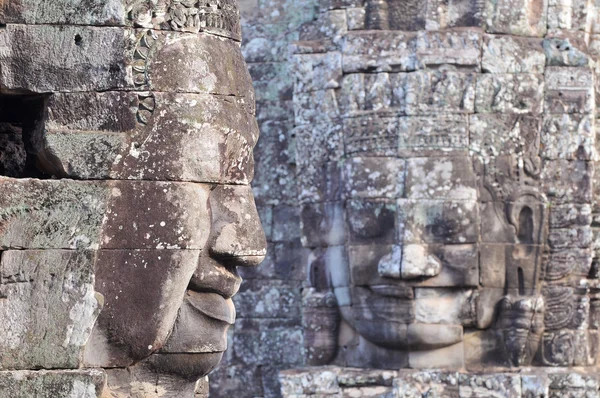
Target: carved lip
<point>212,276</point>
<point>212,305</point>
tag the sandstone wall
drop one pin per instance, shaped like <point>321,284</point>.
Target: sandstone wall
<point>499,94</point>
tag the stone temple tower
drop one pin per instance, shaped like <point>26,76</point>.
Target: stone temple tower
<point>443,191</point>
<point>126,138</point>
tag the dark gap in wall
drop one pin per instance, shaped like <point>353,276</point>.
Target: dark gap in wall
<point>22,149</point>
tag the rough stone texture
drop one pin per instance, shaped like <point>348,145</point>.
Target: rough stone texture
<point>347,382</point>
<point>127,130</point>
<point>444,155</point>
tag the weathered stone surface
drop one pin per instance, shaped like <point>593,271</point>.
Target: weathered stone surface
<point>509,54</point>
<point>445,306</point>
<point>433,136</point>
<point>60,383</point>
<point>516,17</point>
<point>64,12</point>
<point>440,178</point>
<point>32,282</point>
<point>367,177</point>
<point>569,90</point>
<point>509,93</point>
<point>438,221</point>
<point>57,59</point>
<point>39,214</point>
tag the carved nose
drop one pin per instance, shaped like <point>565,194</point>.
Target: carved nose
<point>236,236</point>
<point>409,262</point>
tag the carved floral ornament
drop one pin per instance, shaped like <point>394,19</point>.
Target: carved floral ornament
<point>220,16</point>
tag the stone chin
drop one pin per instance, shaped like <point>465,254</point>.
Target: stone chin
<point>188,366</point>
<point>384,316</point>
<point>199,337</point>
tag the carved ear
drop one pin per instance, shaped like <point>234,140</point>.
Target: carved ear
<point>526,212</point>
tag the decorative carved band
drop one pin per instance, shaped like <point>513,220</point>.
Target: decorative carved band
<point>218,16</point>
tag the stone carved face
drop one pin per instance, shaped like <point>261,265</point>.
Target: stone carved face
<point>139,210</point>
<point>446,193</point>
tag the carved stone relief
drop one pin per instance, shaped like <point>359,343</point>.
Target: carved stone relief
<point>125,208</point>
<point>451,212</point>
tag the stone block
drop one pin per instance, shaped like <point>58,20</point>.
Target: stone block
<point>569,90</point>
<point>566,50</point>
<point>429,337</point>
<point>379,93</point>
<point>432,92</point>
<point>72,161</point>
<point>504,134</point>
<point>436,135</point>
<point>314,72</point>
<point>453,14</point>
<point>198,74</point>
<point>493,265</point>
<point>356,18</point>
<point>438,221</point>
<point>111,111</point>
<point>580,237</point>
<point>379,51</point>
<point>371,136</point>
<point>460,48</point>
<point>286,223</point>
<point>298,382</point>
<point>32,281</point>
<point>64,12</point>
<point>567,181</point>
<point>516,17</point>
<point>316,107</point>
<point>487,302</point>
<point>500,385</point>
<point>371,221</point>
<point>445,306</point>
<point>285,337</point>
<point>33,58</point>
<point>511,54</point>
<point>87,383</point>
<point>47,214</point>
<point>440,178</point>
<point>415,384</point>
<point>257,299</point>
<point>189,124</point>
<point>367,392</point>
<point>568,136</point>
<point>364,264</point>
<point>374,177</point>
<point>509,93</point>
<point>349,377</point>
<point>451,357</point>
<point>165,222</point>
<point>275,166</point>
<point>569,262</point>
<point>557,348</point>
<point>323,224</point>
<point>570,215</point>
<point>232,379</point>
<point>266,43</point>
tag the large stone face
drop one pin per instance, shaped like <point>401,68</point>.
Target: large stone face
<point>445,161</point>
<point>127,130</point>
